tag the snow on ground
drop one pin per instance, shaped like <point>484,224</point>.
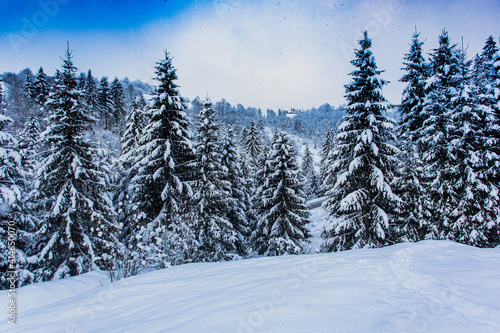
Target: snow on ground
<point>431,286</point>
<point>318,222</point>
<point>40,294</point>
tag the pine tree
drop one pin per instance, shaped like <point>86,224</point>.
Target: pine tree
<point>91,95</point>
<point>82,79</point>
<point>483,65</point>
<point>299,126</point>
<point>490,107</point>
<point>162,167</point>
<point>261,182</point>
<point>441,94</point>
<point>477,212</point>
<point>130,142</point>
<point>281,226</point>
<point>76,227</point>
<point>117,98</point>
<point>105,104</point>
<point>412,218</point>
<point>491,100</point>
<point>16,224</point>
<point>214,233</point>
<point>239,212</point>
<point>361,201</point>
<point>251,144</point>
<point>28,143</point>
<point>308,172</point>
<point>28,86</point>
<point>41,87</point>
<point>327,147</point>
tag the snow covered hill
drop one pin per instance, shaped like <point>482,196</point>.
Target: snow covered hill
<point>431,286</point>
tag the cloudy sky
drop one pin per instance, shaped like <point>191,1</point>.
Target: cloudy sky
<point>267,54</point>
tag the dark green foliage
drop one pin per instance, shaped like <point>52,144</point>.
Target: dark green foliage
<point>361,202</point>
<point>283,215</point>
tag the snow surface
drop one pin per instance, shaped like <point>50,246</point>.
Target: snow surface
<point>430,286</point>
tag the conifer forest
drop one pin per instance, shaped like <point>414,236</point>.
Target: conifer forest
<point>128,177</point>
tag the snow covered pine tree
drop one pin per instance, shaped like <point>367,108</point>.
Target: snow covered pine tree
<point>15,220</point>
<point>162,168</point>
<point>76,232</point>
<point>412,220</point>
<point>214,233</point>
<point>361,201</point>
<point>281,226</point>
<point>442,90</point>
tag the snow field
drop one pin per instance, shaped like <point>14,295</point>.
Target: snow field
<point>430,286</point>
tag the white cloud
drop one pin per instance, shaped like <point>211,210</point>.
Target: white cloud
<point>268,54</point>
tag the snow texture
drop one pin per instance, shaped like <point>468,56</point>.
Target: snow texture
<point>430,286</point>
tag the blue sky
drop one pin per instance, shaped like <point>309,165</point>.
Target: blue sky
<point>268,54</point>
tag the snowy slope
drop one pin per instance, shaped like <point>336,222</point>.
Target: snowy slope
<point>432,286</point>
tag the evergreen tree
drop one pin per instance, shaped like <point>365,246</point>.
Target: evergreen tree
<point>328,143</point>
<point>361,201</point>
<point>491,101</point>
<point>28,86</point>
<point>76,227</point>
<point>130,142</point>
<point>251,144</point>
<point>412,218</point>
<point>261,184</point>
<point>105,104</point>
<point>299,126</point>
<point>16,224</point>
<point>441,96</point>
<point>28,143</point>
<point>214,233</point>
<point>91,95</point>
<point>162,167</point>
<point>281,226</point>
<point>42,87</point>
<point>483,65</point>
<point>490,107</point>
<point>117,99</point>
<point>239,212</point>
<point>308,172</point>
<point>474,220</point>
<point>82,79</point>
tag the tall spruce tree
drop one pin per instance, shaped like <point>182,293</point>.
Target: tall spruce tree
<point>130,142</point>
<point>309,174</point>
<point>239,212</point>
<point>81,80</point>
<point>76,227</point>
<point>491,99</point>
<point>29,143</point>
<point>162,169</point>
<point>92,95</point>
<point>41,87</point>
<point>490,102</point>
<point>412,220</point>
<point>117,99</point>
<point>281,225</point>
<point>328,143</point>
<point>105,104</point>
<point>483,65</point>
<point>441,96</point>
<point>16,224</point>
<point>28,86</point>
<point>475,217</point>
<point>214,233</point>
<point>251,144</point>
<point>361,202</point>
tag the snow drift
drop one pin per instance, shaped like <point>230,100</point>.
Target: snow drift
<point>430,286</point>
